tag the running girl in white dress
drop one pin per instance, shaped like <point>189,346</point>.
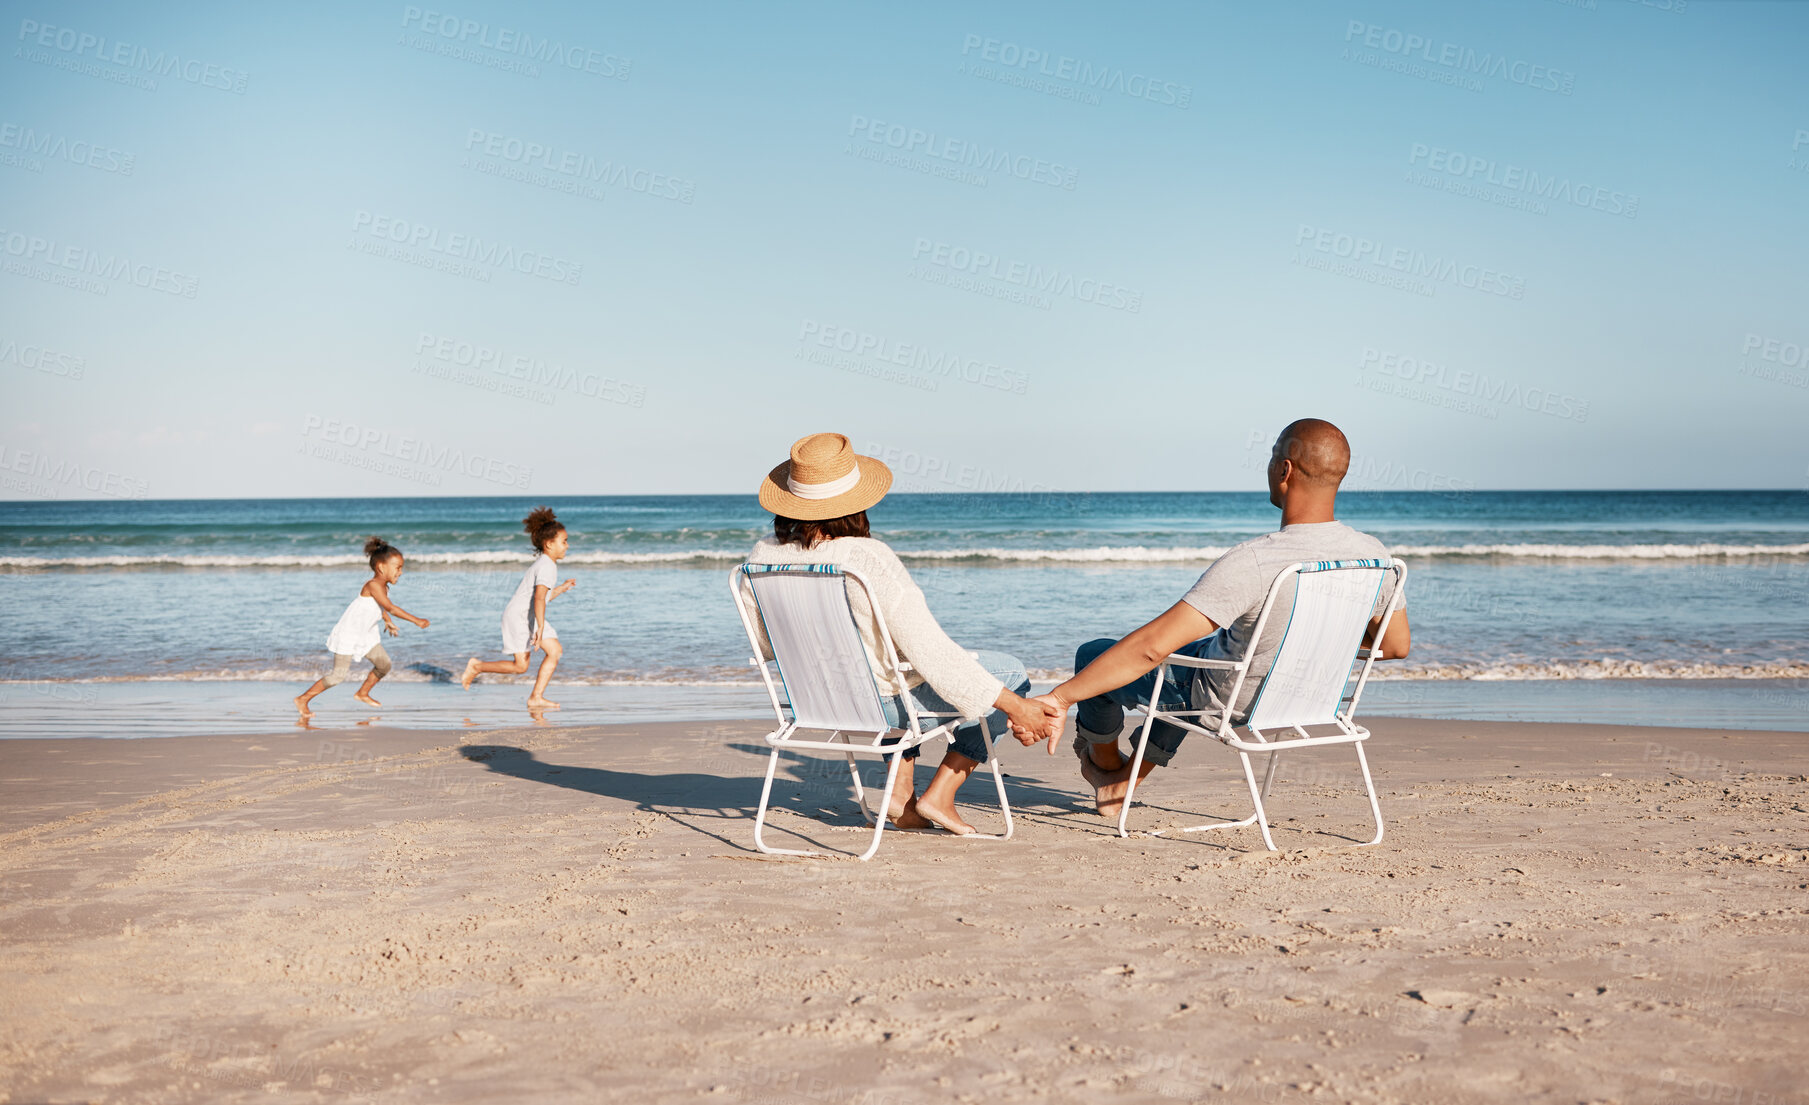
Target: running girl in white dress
<point>524,624</point>
<point>356,635</point>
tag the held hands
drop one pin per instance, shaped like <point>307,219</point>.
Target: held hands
<point>1035,719</point>
<point>391,626</point>
<point>1055,711</point>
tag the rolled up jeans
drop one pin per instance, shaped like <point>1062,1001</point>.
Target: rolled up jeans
<point>969,737</point>
<point>1101,718</point>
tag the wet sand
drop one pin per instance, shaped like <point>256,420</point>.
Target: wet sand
<point>1563,913</point>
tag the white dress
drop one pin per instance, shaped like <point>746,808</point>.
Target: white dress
<point>357,632</point>
<point>518,616</point>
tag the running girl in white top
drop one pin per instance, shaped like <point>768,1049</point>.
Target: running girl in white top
<point>524,624</point>
<point>356,636</point>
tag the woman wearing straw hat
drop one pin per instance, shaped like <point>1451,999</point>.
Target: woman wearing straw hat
<point>819,499</point>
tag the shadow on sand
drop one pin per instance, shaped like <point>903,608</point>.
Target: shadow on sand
<point>815,788</point>
<point>819,791</point>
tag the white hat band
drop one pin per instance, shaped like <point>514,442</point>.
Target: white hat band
<point>824,490</point>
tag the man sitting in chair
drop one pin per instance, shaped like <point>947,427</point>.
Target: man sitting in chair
<point>1215,618</point>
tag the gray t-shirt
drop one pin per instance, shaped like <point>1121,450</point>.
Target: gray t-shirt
<point>1232,591</point>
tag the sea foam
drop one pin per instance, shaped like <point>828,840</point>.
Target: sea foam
<point>1105,554</point>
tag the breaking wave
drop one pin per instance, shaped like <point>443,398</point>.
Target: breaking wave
<point>1106,554</point>
<point>1389,672</point>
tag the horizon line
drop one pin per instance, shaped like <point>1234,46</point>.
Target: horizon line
<point>1046,492</point>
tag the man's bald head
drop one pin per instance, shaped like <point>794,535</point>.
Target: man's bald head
<point>1320,453</point>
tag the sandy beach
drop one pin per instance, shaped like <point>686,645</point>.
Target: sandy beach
<point>1559,913</point>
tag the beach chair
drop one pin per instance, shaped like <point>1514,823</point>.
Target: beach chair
<point>829,683</point>
<point>1315,682</point>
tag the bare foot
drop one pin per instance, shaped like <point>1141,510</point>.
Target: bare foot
<point>920,815</point>
<point>470,673</point>
<point>1090,771</point>
<point>1108,787</point>
<point>538,703</point>
<point>366,699</point>
<point>301,706</point>
<point>895,809</point>
<point>909,818</point>
<point>1109,792</point>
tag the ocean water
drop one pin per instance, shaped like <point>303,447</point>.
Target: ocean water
<point>173,608</point>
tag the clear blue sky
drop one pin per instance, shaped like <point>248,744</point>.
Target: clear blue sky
<point>1514,245</point>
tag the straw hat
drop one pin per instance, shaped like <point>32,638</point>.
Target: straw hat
<point>824,479</point>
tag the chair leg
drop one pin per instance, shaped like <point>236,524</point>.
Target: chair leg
<point>1375,807</point>
<point>1262,817</point>
<point>766,793</point>
<point>860,794</point>
<point>1124,811</point>
<point>879,823</point>
<point>1269,775</point>
<point>998,781</point>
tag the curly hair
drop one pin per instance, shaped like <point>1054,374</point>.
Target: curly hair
<point>790,531</point>
<point>379,550</point>
<point>542,526</point>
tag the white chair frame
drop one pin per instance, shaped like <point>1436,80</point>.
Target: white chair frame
<point>1346,731</point>
<point>786,735</point>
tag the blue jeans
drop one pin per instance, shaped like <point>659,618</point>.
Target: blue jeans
<point>969,736</point>
<point>1101,718</point>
